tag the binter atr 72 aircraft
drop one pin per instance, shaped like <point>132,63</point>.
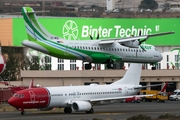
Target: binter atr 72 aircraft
<point>80,98</point>
<point>103,51</point>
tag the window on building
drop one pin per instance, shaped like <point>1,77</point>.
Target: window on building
<point>145,66</point>
<point>60,60</point>
<point>167,58</point>
<point>47,63</point>
<point>60,66</point>
<point>72,64</point>
<point>158,66</point>
<point>72,61</point>
<point>177,61</point>
<point>97,66</point>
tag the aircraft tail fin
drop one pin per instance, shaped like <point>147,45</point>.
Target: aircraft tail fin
<point>132,75</point>
<point>34,29</point>
<point>31,84</point>
<point>164,87</point>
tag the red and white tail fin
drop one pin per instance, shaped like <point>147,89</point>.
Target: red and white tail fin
<point>164,87</point>
<point>31,84</point>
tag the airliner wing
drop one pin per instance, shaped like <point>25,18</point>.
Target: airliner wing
<point>118,98</point>
<point>121,40</point>
<point>140,87</point>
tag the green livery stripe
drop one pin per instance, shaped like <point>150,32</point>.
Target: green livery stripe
<point>56,52</point>
<point>34,20</point>
<point>30,25</point>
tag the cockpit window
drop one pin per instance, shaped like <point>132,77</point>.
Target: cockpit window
<point>15,95</point>
<point>18,95</point>
<point>155,49</point>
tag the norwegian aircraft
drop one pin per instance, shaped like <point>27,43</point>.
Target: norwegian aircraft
<point>80,98</point>
<point>103,51</point>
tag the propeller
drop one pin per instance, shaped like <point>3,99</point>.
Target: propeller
<point>141,41</point>
<point>96,37</point>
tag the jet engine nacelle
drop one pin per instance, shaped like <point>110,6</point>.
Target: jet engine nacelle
<point>132,44</point>
<point>81,106</point>
<point>45,109</point>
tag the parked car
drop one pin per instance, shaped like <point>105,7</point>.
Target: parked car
<point>175,95</point>
<point>133,99</point>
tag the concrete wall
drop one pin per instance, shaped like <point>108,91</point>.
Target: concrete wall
<point>79,77</point>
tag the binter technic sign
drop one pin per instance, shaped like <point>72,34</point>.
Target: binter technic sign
<point>80,28</point>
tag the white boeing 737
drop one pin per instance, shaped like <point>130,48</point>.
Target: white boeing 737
<point>103,51</point>
<point>80,98</point>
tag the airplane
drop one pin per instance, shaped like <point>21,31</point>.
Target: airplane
<point>80,98</point>
<point>102,51</point>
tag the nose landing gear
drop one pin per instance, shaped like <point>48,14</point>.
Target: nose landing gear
<point>22,111</point>
<point>153,66</point>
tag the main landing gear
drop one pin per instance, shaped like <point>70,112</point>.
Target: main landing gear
<point>110,65</point>
<point>153,66</point>
<point>90,111</point>
<point>67,110</point>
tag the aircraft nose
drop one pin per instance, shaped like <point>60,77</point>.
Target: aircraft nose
<point>160,57</point>
<point>12,102</point>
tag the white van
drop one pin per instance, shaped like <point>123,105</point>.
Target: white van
<point>175,95</point>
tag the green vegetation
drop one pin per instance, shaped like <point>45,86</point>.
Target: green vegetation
<point>148,4</point>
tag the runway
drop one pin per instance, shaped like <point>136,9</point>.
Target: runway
<point>118,111</point>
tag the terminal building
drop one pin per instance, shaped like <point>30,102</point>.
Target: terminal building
<point>70,72</point>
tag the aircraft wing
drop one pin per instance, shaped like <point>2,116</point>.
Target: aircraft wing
<point>118,98</point>
<point>140,87</point>
<point>121,40</point>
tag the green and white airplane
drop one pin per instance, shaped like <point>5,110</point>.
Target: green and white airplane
<point>103,51</point>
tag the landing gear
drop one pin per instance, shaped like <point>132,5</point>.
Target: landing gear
<point>88,66</point>
<point>90,111</point>
<point>23,112</point>
<point>67,110</point>
<point>153,68</point>
<point>110,64</point>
